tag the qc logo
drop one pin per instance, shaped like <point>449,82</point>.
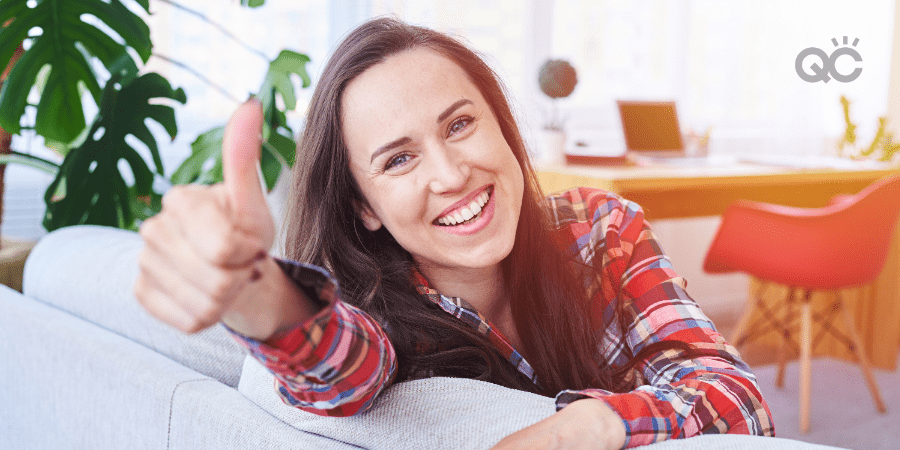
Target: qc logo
<point>822,72</point>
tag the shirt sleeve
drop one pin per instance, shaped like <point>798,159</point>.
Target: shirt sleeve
<point>709,393</point>
<point>334,364</point>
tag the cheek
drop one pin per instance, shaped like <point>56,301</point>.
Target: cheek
<point>400,207</point>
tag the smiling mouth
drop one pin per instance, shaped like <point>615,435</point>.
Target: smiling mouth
<point>467,214</point>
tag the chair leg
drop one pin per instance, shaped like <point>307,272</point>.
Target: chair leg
<point>859,352</point>
<point>738,334</point>
<point>785,338</point>
<point>805,361</point>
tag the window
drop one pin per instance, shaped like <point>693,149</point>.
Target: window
<point>727,64</point>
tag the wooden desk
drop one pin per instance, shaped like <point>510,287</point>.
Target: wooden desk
<point>667,192</point>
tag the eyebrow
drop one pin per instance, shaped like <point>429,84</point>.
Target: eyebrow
<point>405,140</point>
<point>389,146</point>
<point>453,107</point>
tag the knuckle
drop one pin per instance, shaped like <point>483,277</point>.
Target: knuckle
<point>220,288</point>
<point>143,262</point>
<point>149,227</point>
<point>180,197</point>
<point>208,314</point>
<point>222,252</point>
<point>177,193</point>
<point>191,326</point>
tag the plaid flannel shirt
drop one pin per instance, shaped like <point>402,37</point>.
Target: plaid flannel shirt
<point>340,360</point>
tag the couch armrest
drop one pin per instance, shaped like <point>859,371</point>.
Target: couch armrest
<point>89,271</point>
<point>69,384</point>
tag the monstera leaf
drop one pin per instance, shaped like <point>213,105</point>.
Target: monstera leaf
<point>278,82</point>
<point>66,46</point>
<point>278,79</point>
<point>278,149</point>
<point>204,166</point>
<point>89,187</point>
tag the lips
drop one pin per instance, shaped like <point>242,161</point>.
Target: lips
<point>467,210</point>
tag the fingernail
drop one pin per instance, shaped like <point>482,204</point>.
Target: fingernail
<point>255,275</point>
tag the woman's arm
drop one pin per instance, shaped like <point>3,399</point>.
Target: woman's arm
<point>711,392</point>
<point>336,362</point>
<point>205,261</point>
<point>567,430</point>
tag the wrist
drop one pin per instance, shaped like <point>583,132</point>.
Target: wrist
<point>270,303</point>
<point>610,425</point>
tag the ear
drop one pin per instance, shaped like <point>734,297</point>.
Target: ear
<point>369,218</point>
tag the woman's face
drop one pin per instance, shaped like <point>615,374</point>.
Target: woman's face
<point>432,162</point>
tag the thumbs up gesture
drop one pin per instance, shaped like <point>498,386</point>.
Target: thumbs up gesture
<point>205,257</point>
<point>245,199</point>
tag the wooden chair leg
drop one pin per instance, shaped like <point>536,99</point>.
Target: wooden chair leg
<point>805,362</point>
<point>744,321</point>
<point>785,337</point>
<point>859,352</point>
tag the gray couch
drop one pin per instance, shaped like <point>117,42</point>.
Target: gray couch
<point>84,367</point>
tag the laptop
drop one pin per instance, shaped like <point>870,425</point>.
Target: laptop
<point>651,129</point>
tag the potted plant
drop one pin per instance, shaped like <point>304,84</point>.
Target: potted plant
<point>89,187</point>
<point>557,79</point>
<point>59,62</point>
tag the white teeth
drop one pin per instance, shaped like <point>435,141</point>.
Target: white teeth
<point>475,207</point>
<point>466,213</point>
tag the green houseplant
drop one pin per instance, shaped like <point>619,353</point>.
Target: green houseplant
<point>65,58</point>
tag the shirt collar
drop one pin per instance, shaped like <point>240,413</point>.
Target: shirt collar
<point>464,311</point>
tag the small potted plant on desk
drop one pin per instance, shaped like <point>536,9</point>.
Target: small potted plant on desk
<point>557,79</point>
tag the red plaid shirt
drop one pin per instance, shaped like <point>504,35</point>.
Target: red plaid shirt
<point>340,360</point>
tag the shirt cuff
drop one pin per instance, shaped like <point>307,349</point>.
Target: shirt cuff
<point>319,286</point>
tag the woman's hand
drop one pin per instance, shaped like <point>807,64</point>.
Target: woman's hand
<point>587,424</point>
<point>205,257</point>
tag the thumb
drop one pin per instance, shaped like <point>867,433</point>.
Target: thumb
<point>240,157</point>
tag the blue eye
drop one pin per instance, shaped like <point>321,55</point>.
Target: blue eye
<point>398,160</point>
<point>459,125</point>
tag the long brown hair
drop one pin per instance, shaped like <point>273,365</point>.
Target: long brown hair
<point>550,305</point>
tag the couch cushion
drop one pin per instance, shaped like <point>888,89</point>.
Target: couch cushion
<point>89,271</point>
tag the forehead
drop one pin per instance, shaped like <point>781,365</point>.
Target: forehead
<point>408,87</point>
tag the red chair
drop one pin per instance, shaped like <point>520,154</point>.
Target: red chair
<point>841,245</point>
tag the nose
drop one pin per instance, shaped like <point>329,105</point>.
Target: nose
<point>449,169</point>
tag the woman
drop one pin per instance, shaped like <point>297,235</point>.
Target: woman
<point>414,193</point>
